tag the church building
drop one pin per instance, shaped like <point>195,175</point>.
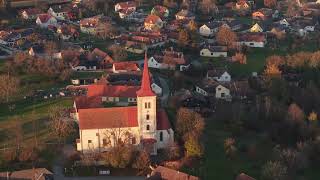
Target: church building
<point>143,125</point>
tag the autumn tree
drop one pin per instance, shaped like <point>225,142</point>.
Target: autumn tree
<point>314,61</point>
<point>192,25</point>
<point>293,9</point>
<point>207,7</point>
<point>184,38</point>
<point>118,52</point>
<point>9,86</point>
<point>50,47</point>
<point>240,58</point>
<point>313,116</point>
<point>229,147</point>
<point>225,36</point>
<point>170,3</point>
<point>295,114</point>
<point>60,126</point>
<point>119,156</point>
<point>274,171</point>
<point>189,121</point>
<point>193,146</point>
<point>270,3</point>
<point>142,161</point>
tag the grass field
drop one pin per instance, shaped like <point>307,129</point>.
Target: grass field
<point>29,110</point>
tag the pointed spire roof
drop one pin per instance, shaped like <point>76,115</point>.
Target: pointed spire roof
<point>145,89</point>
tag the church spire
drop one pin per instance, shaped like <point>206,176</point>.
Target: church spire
<point>145,89</point>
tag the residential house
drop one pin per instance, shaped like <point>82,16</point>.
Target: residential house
<point>46,20</point>
<point>128,5</point>
<point>160,11</point>
<point>214,89</point>
<point>262,14</point>
<point>138,42</point>
<point>123,67</point>
<point>214,51</point>
<point>31,13</point>
<point>153,23</point>
<point>185,14</point>
<point>209,29</point>
<point>66,32</point>
<point>94,25</point>
<point>236,25</point>
<point>284,22</point>
<point>60,12</point>
<point>36,50</point>
<point>257,40</point>
<point>278,30</point>
<point>169,59</point>
<point>105,61</point>
<point>219,74</point>
<point>28,174</point>
<point>146,126</point>
<point>242,5</point>
<point>126,13</point>
<point>256,28</point>
<point>161,172</point>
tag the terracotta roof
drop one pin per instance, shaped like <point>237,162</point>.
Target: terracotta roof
<point>83,102</point>
<point>152,19</point>
<point>162,120</point>
<point>115,117</point>
<point>243,176</point>
<point>166,173</point>
<point>39,173</point>
<point>145,84</point>
<point>111,91</point>
<point>128,66</point>
<point>126,5</point>
<point>44,17</point>
<point>255,37</point>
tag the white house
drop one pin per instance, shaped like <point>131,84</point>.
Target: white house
<point>253,40</point>
<point>216,90</point>
<point>58,12</point>
<point>214,51</point>
<point>219,75</point>
<point>45,20</point>
<point>284,22</point>
<point>207,30</point>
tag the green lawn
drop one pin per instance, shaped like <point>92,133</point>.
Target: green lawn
<point>29,110</point>
<point>86,75</point>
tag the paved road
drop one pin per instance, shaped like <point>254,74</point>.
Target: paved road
<point>165,92</point>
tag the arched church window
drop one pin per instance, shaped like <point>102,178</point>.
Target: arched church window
<point>149,105</point>
<point>147,116</point>
<point>148,127</point>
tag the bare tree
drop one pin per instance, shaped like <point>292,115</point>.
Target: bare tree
<point>59,125</point>
<point>208,6</point>
<point>270,3</point>
<point>9,86</point>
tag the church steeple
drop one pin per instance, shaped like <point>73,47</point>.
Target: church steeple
<point>145,89</point>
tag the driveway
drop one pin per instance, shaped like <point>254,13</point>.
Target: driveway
<point>165,91</point>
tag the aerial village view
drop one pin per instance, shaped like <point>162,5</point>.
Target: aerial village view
<point>159,89</point>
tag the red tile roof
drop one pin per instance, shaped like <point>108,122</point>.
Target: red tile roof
<point>83,102</point>
<point>126,5</point>
<point>145,84</point>
<point>152,19</point>
<point>166,173</point>
<point>115,117</point>
<point>32,11</point>
<point>162,120</point>
<point>128,66</point>
<point>111,90</point>
<point>44,17</point>
<point>243,176</point>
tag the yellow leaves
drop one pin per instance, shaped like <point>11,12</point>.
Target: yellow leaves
<point>313,116</point>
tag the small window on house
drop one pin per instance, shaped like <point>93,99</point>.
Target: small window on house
<point>251,44</point>
<point>161,136</point>
<point>147,116</point>
<point>149,105</point>
<point>222,95</point>
<point>211,54</point>
<point>148,127</point>
<point>219,89</point>
<point>89,141</point>
<point>133,140</point>
<point>145,105</point>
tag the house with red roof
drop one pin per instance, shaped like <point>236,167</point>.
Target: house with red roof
<point>128,5</point>
<point>46,20</point>
<point>153,23</point>
<point>124,67</point>
<point>143,125</point>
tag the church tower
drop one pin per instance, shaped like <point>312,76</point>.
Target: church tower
<point>147,110</point>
